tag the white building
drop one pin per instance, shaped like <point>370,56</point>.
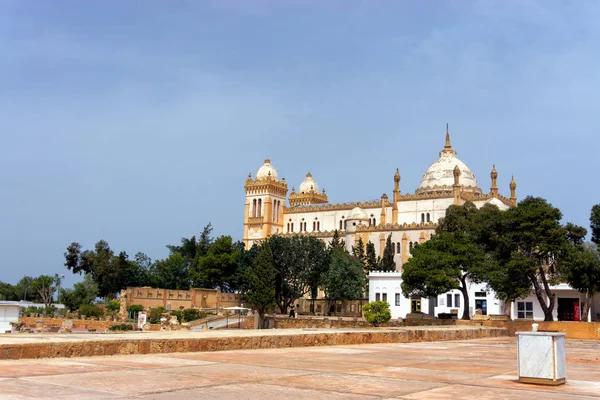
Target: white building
<point>9,312</point>
<point>386,286</point>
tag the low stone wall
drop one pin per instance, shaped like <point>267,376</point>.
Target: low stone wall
<point>304,322</point>
<point>574,330</point>
<point>33,322</point>
<point>256,340</point>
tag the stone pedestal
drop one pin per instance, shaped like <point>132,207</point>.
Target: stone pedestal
<point>541,357</point>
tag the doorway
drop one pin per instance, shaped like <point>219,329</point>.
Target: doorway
<point>481,305</point>
<point>415,305</point>
<point>568,309</point>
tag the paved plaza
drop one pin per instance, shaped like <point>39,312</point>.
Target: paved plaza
<point>474,369</point>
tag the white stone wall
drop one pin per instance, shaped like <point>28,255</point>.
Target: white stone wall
<point>389,283</point>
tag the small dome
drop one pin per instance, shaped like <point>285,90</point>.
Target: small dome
<point>267,171</point>
<point>308,185</point>
<point>358,213</point>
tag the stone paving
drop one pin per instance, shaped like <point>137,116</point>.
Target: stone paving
<point>471,369</point>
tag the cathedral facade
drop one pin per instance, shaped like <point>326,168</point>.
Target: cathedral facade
<point>409,217</point>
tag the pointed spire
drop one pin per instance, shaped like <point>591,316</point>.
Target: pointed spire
<point>513,191</point>
<point>397,176</point>
<point>447,146</point>
<point>513,184</point>
<point>494,176</point>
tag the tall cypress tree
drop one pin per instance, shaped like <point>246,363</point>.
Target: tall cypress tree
<point>387,262</point>
<point>372,263</point>
<point>261,281</point>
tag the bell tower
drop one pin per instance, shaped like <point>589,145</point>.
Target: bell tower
<point>265,204</point>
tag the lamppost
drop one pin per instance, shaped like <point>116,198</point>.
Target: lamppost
<point>58,278</point>
<point>25,294</point>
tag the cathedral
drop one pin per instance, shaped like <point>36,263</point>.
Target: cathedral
<point>409,217</point>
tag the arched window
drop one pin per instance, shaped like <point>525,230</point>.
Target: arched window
<point>319,226</point>
<point>292,227</point>
<point>398,247</point>
<point>374,222</point>
<point>345,224</point>
<point>259,210</point>
<point>428,218</point>
<point>314,226</point>
<point>341,224</point>
<point>422,218</point>
<point>288,227</point>
<point>254,208</point>
<point>393,247</point>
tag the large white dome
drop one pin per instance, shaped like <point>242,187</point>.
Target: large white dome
<point>308,185</point>
<point>267,171</point>
<point>440,175</point>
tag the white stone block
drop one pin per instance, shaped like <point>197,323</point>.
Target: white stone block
<point>541,358</point>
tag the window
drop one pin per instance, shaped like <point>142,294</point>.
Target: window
<point>398,247</point>
<point>428,218</point>
<point>377,297</point>
<point>449,300</point>
<point>319,226</point>
<point>384,296</point>
<point>314,226</point>
<point>254,208</point>
<point>292,227</point>
<point>480,294</point>
<point>288,226</point>
<point>341,221</point>
<point>422,218</point>
<point>345,224</point>
<point>374,222</point>
<point>397,299</point>
<point>457,300</point>
<point>524,309</point>
<point>259,210</point>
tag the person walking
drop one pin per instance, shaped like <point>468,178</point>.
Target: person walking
<point>292,311</point>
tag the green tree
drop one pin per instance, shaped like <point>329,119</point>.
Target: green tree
<point>290,263</point>
<point>372,261</point>
<point>317,260</point>
<point>582,272</point>
<point>245,262</point>
<point>45,286</point>
<point>171,273</point>
<point>261,282</point>
<point>535,240</point>
<point>217,269</point>
<point>387,261</point>
<point>84,292</point>
<point>377,312</point>
<point>336,242</point>
<point>345,278</point>
<point>358,251</point>
<point>447,261</point>
<point>595,224</point>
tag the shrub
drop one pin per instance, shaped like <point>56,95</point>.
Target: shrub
<point>377,312</point>
<point>121,327</point>
<point>135,308</point>
<point>90,310</point>
<point>50,310</point>
<point>27,311</point>
<point>191,314</point>
<point>112,306</point>
<point>178,314</point>
<point>155,314</point>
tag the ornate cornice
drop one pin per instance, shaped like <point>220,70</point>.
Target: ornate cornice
<point>446,188</point>
<point>334,207</point>
<point>469,196</point>
<point>299,199</point>
<point>396,227</point>
<point>266,185</point>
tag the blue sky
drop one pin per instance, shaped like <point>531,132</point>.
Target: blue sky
<point>137,122</point>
